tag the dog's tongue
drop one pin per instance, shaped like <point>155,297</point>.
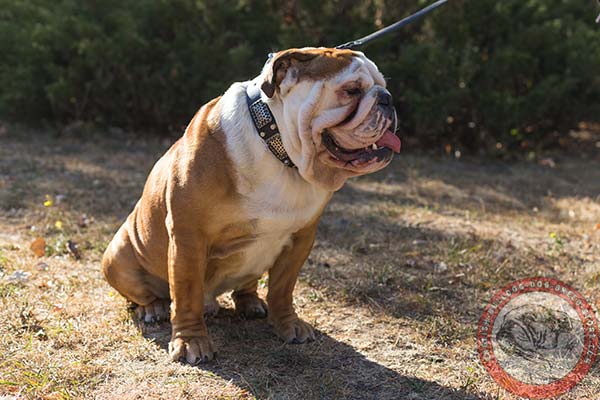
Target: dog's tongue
<point>389,140</point>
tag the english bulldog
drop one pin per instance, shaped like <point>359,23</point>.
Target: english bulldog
<point>242,191</point>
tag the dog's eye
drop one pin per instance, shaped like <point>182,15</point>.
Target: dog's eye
<point>353,91</point>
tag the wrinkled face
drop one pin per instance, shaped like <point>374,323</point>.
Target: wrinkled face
<point>337,117</point>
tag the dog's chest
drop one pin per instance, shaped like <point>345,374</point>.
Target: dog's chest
<point>276,215</point>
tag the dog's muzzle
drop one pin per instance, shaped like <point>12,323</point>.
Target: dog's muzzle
<point>381,150</point>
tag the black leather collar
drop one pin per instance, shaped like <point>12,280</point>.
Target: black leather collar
<point>265,124</point>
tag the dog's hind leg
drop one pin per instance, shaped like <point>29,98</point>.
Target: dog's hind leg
<point>123,271</point>
<point>247,302</point>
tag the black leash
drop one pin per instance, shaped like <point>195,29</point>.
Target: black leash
<point>392,28</point>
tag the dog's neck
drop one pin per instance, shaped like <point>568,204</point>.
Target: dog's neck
<point>245,148</point>
<point>260,176</point>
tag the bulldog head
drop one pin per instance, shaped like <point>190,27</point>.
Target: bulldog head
<point>336,117</point>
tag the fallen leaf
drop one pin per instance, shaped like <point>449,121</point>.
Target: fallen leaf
<point>58,225</point>
<point>597,227</point>
<point>73,250</point>
<point>38,246</point>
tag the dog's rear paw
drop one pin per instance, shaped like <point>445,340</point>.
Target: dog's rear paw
<point>156,311</point>
<point>192,350</point>
<point>294,331</point>
<point>250,306</point>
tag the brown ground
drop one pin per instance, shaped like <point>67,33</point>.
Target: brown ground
<point>403,266</point>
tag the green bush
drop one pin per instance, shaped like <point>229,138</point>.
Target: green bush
<point>475,72</point>
<point>139,64</point>
<point>508,71</point>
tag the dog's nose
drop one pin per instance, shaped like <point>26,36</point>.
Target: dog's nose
<point>384,98</point>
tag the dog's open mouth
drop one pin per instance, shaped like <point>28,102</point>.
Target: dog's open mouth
<point>382,150</point>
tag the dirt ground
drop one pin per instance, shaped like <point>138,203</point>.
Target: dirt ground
<point>404,264</point>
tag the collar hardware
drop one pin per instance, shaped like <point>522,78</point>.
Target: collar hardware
<point>265,124</point>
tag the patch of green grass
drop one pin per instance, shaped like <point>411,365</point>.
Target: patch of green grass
<point>3,261</point>
<point>8,290</point>
<point>446,331</point>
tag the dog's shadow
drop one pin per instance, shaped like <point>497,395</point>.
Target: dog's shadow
<point>253,358</point>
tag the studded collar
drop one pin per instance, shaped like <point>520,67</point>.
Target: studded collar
<point>265,124</point>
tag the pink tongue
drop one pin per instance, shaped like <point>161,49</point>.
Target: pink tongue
<point>389,140</point>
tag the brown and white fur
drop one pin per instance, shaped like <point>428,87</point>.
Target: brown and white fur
<point>219,210</point>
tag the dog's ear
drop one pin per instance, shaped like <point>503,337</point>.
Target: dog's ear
<point>279,65</point>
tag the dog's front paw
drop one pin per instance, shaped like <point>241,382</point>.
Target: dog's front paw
<point>294,330</point>
<point>193,350</point>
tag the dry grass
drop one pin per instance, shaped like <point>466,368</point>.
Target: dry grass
<point>404,263</point>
